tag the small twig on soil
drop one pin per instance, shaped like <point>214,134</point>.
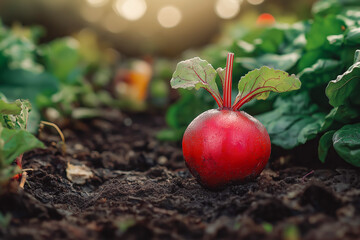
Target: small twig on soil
<point>306,175</point>
<point>63,147</point>
<point>23,179</point>
<point>27,169</point>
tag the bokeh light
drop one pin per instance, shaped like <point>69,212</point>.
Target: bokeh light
<point>169,16</point>
<point>255,2</point>
<point>131,10</point>
<point>97,3</point>
<point>227,9</point>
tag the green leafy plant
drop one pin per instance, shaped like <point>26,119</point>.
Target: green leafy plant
<point>21,72</point>
<point>58,74</point>
<point>14,138</point>
<point>343,122</point>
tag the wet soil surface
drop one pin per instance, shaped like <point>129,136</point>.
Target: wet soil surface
<point>141,189</point>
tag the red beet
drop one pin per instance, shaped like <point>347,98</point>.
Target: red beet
<point>226,146</point>
<point>221,147</point>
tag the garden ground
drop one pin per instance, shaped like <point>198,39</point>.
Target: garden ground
<point>141,189</point>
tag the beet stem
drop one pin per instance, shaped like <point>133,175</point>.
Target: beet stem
<point>217,98</point>
<point>227,84</point>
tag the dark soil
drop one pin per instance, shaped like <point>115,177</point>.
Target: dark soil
<point>141,189</point>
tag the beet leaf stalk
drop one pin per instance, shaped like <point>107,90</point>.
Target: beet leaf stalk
<point>227,83</point>
<point>197,73</point>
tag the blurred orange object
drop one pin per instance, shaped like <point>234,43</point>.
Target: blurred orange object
<point>265,19</point>
<point>133,84</point>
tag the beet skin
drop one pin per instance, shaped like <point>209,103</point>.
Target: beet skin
<point>223,147</point>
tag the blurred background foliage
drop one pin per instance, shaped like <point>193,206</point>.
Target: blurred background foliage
<point>79,59</point>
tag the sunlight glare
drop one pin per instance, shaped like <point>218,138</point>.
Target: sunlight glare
<point>227,9</point>
<point>255,2</point>
<point>169,16</point>
<point>97,3</point>
<point>131,10</point>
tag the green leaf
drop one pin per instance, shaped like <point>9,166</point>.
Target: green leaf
<point>270,40</point>
<point>15,119</point>
<point>293,121</point>
<point>320,73</point>
<point>189,106</point>
<point>180,114</point>
<point>13,108</point>
<point>62,59</point>
<point>260,82</point>
<point>19,52</point>
<point>336,40</point>
<point>282,62</point>
<point>18,141</point>
<point>300,129</point>
<point>352,12</point>
<point>321,29</point>
<point>347,143</point>
<point>312,128</point>
<point>28,85</point>
<point>340,90</point>
<point>268,227</point>
<point>295,37</point>
<point>242,48</point>
<point>325,143</point>
<point>309,58</point>
<point>353,37</point>
<point>339,116</point>
<point>195,73</point>
<point>221,72</point>
<point>325,7</point>
<point>171,134</point>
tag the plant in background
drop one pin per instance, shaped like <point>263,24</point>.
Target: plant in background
<point>67,74</point>
<point>21,72</point>
<point>14,138</point>
<point>159,86</point>
<point>342,124</point>
<point>82,68</point>
<point>225,146</point>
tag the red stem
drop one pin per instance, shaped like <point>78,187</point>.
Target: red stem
<point>217,98</point>
<point>228,80</point>
<point>18,160</point>
<point>245,99</point>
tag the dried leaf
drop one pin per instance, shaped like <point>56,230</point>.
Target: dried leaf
<point>78,173</point>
